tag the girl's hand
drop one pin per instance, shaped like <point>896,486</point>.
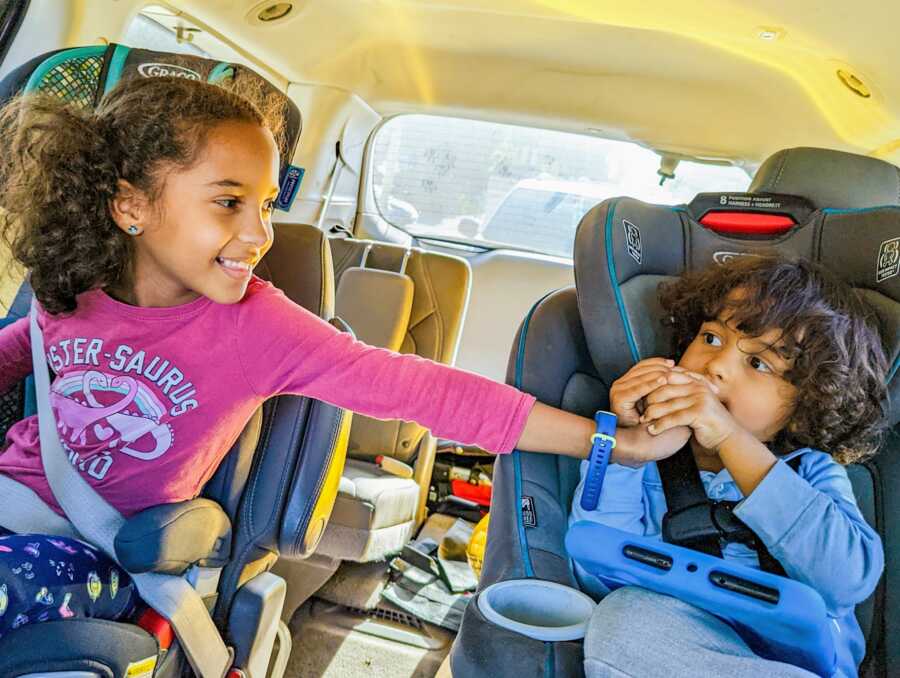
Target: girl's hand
<point>635,446</point>
<point>689,399</point>
<point>628,390</point>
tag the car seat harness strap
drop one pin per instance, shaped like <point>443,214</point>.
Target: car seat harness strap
<point>697,522</point>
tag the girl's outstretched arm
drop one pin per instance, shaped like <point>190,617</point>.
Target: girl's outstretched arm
<point>283,348</point>
<point>555,431</point>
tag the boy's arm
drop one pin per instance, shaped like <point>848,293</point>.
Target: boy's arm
<point>15,353</point>
<point>812,525</point>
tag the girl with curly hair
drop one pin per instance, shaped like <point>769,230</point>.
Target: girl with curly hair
<point>141,223</point>
<point>776,360</point>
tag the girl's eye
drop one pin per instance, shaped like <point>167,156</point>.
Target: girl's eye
<point>711,339</point>
<point>228,203</point>
<point>757,364</point>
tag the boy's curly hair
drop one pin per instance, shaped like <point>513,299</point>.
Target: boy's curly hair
<point>61,166</point>
<point>831,333</point>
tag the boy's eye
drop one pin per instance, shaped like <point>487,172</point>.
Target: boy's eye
<point>228,203</point>
<point>757,364</point>
<point>711,339</point>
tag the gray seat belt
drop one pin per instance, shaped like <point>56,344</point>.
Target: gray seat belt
<point>172,597</point>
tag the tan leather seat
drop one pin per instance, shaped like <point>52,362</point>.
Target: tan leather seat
<point>410,301</point>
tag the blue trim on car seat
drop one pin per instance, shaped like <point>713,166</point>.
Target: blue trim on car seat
<point>52,62</point>
<point>220,72</point>
<point>614,281</point>
<point>517,462</point>
<point>520,524</point>
<point>858,210</point>
<point>894,369</point>
<point>548,660</point>
<point>116,65</point>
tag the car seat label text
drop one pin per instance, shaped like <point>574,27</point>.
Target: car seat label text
<point>633,240</point>
<point>888,264</point>
<point>529,515</point>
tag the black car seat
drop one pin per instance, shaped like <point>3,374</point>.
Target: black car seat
<point>576,341</point>
<point>273,492</point>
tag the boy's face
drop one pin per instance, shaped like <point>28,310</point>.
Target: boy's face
<point>748,372</point>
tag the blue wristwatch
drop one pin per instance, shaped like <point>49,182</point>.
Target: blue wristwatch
<point>603,442</point>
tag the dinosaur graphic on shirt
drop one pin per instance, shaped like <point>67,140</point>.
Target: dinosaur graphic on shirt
<point>127,420</point>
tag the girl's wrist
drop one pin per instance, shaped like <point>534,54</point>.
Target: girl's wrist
<point>626,450</point>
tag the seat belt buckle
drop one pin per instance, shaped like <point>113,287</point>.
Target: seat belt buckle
<point>730,527</point>
<point>235,673</point>
<point>689,526</point>
<point>158,627</point>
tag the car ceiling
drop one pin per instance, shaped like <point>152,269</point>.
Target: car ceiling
<point>692,77</point>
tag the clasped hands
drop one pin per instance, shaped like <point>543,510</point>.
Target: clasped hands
<point>659,407</point>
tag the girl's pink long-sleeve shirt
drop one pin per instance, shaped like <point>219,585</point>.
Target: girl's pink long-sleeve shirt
<point>149,400</point>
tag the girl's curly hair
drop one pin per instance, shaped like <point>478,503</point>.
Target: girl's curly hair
<point>839,365</point>
<point>61,166</point>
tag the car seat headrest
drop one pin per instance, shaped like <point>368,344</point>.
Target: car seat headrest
<point>828,178</point>
<point>625,248</point>
<point>83,75</point>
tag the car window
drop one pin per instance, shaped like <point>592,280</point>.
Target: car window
<point>505,185</point>
<point>12,12</point>
<point>548,217</point>
<point>164,30</point>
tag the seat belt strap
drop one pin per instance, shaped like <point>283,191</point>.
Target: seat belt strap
<point>172,597</point>
<point>24,512</point>
<point>686,502</point>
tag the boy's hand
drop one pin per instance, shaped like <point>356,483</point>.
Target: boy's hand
<point>688,399</point>
<point>628,390</point>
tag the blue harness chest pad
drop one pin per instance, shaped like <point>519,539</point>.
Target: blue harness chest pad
<point>602,444</point>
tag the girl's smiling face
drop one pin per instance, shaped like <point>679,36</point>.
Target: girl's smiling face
<point>748,372</point>
<point>211,223</point>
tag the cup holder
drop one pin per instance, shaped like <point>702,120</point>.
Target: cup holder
<point>543,610</point>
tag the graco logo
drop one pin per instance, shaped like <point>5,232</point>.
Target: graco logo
<point>726,257</point>
<point>161,70</point>
<point>633,240</point>
<point>888,264</point>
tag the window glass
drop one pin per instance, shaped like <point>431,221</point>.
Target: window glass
<point>163,30</point>
<point>523,187</point>
<point>12,12</point>
<point>148,31</point>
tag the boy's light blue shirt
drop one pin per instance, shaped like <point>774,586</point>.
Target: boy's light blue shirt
<point>808,520</point>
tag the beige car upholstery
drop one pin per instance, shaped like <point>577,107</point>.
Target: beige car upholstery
<point>413,302</point>
<point>305,279</point>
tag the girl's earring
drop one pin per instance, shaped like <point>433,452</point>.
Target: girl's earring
<point>133,229</point>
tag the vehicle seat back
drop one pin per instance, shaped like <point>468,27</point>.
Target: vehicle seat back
<point>411,301</point>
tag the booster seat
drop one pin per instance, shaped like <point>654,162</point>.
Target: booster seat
<point>576,341</point>
<point>273,492</point>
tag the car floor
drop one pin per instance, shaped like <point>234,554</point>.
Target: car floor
<point>364,635</point>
